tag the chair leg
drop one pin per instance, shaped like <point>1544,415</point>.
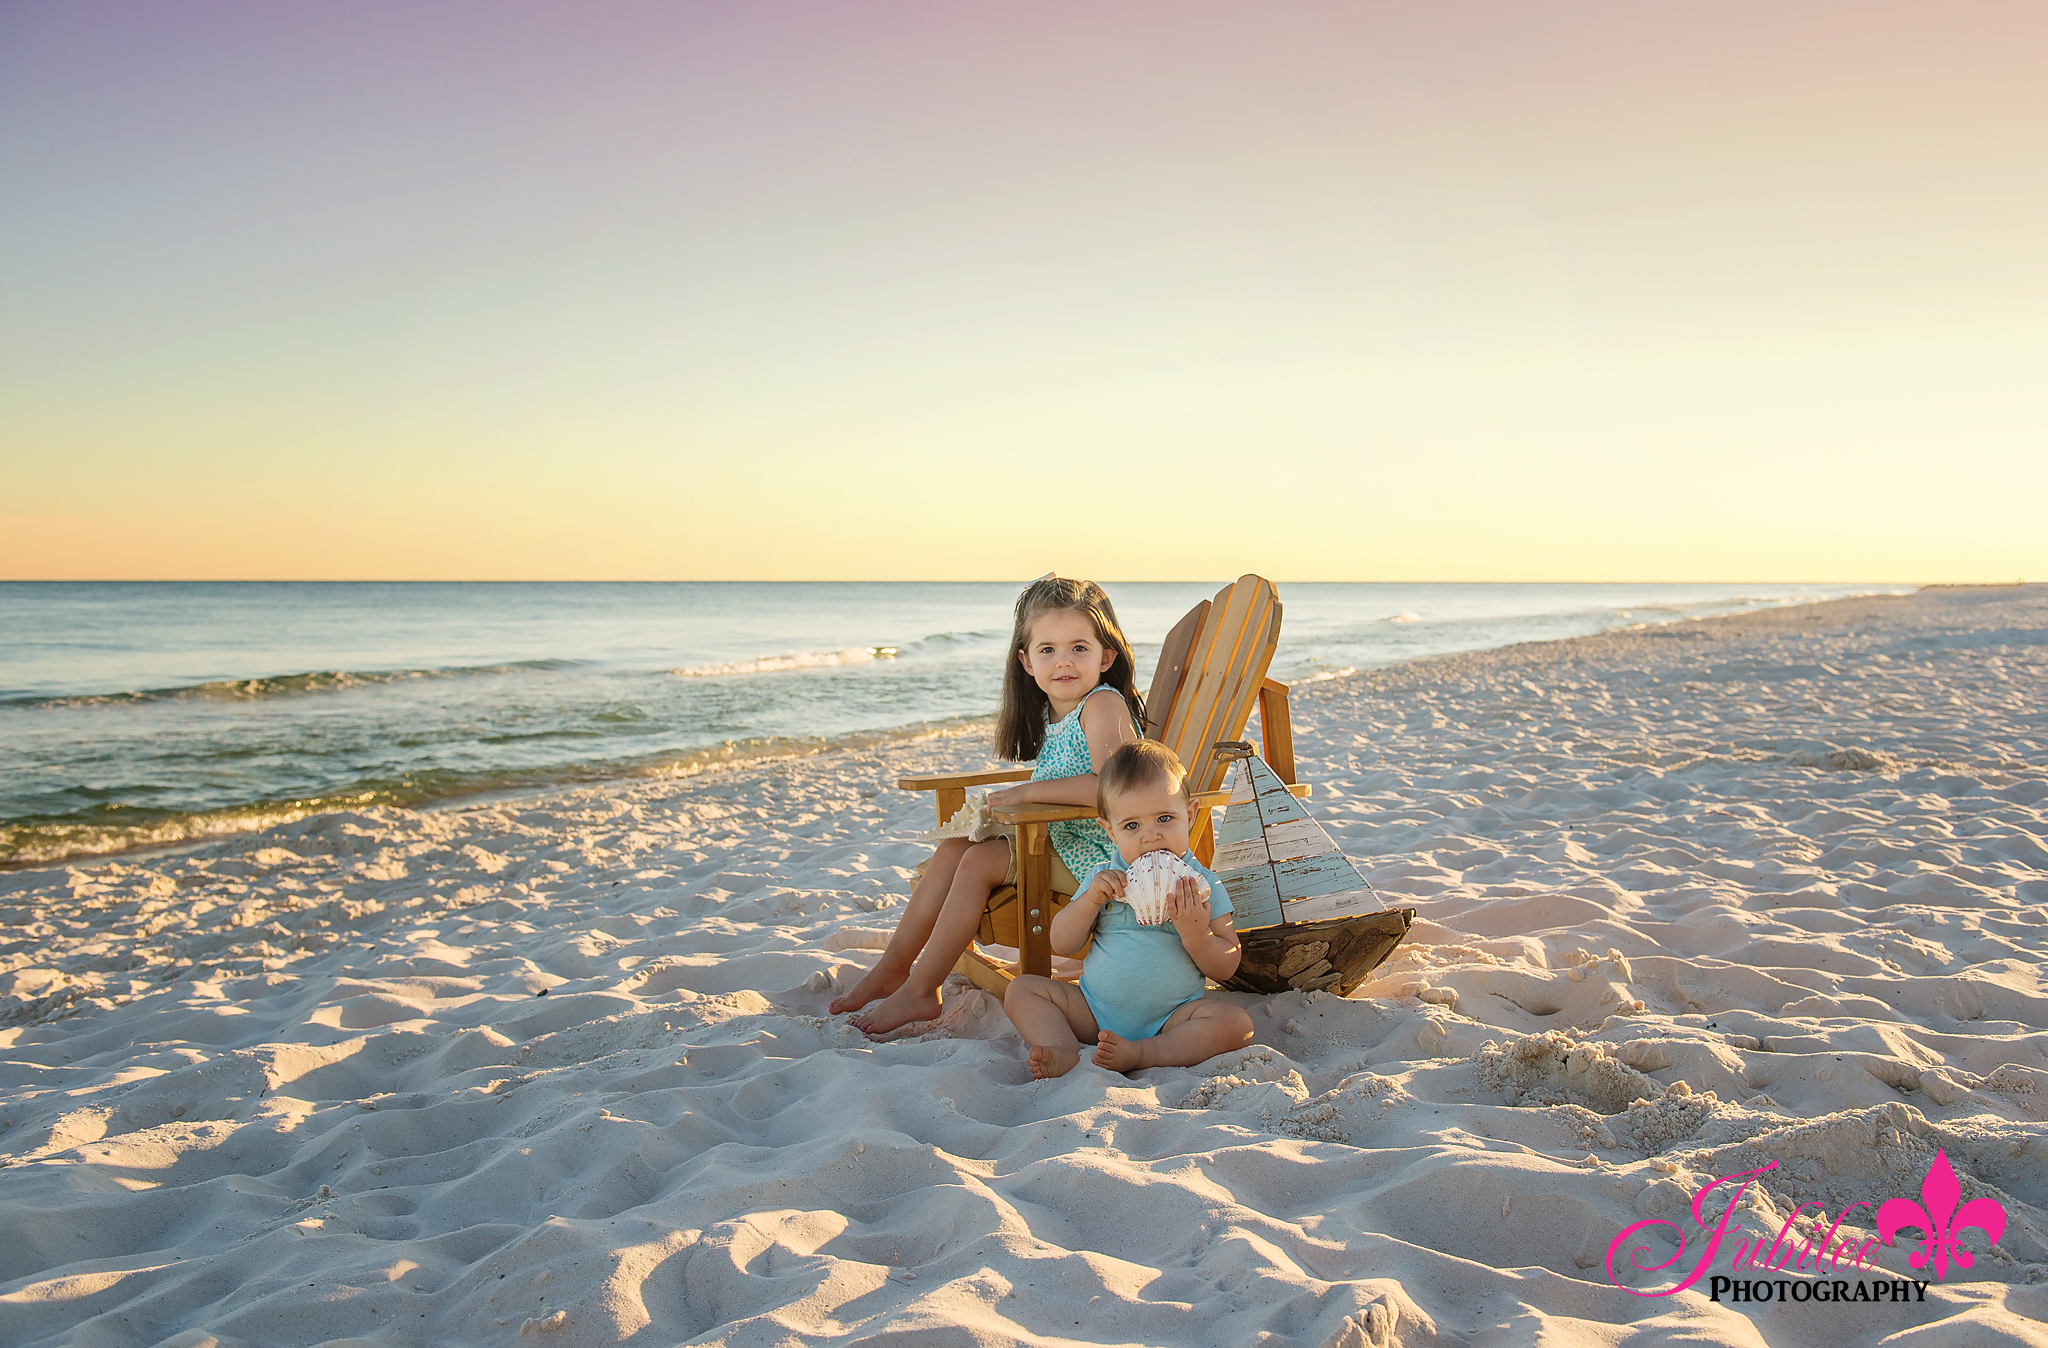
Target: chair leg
<point>1034,888</point>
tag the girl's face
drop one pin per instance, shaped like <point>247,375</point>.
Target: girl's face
<point>1064,657</point>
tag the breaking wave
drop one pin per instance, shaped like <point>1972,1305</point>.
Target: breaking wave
<point>286,685</point>
<point>938,644</point>
<point>772,664</point>
<point>116,829</point>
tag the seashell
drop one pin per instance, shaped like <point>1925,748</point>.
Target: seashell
<point>971,821</point>
<point>1149,885</point>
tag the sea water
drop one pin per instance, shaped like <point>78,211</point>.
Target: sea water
<point>139,713</point>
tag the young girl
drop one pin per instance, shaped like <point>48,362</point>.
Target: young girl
<point>1069,699</point>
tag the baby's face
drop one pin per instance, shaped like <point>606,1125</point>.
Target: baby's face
<point>1149,818</point>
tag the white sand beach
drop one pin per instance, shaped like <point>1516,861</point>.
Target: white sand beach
<point>1692,899</point>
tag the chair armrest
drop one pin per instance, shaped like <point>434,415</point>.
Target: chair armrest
<point>960,781</point>
<point>1042,814</point>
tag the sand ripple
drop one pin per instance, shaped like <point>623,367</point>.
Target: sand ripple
<point>1693,899</point>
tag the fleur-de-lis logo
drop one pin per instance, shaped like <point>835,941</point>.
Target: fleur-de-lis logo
<point>1941,1219</point>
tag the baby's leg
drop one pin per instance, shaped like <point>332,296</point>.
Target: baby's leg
<point>1196,1032</point>
<point>912,929</point>
<point>1053,1017</point>
<point>980,870</point>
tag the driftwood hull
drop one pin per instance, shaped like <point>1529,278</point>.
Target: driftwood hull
<point>1335,954</point>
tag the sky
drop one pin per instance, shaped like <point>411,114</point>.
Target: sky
<point>953,290</point>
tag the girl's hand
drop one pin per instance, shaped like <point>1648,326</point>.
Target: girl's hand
<point>1006,797</point>
<point>1188,907</point>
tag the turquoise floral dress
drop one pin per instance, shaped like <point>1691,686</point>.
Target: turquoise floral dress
<point>1083,844</point>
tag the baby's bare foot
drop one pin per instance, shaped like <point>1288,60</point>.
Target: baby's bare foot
<point>1054,1062</point>
<point>898,1009</point>
<point>1116,1053</point>
<point>877,982</point>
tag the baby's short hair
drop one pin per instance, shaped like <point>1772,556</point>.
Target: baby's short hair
<point>1138,763</point>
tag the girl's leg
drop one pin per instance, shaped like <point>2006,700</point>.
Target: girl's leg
<point>979,873</point>
<point>912,929</point>
<point>1195,1032</point>
<point>1053,1017</point>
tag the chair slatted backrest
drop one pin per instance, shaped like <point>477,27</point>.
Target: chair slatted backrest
<point>1217,682</point>
<point>1173,659</point>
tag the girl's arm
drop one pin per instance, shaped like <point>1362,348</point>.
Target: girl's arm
<point>1072,925</point>
<point>1053,791</point>
<point>1106,721</point>
<point>1210,942</point>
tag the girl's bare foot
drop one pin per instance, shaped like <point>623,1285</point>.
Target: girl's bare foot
<point>1054,1062</point>
<point>1116,1053</point>
<point>899,1008</point>
<point>877,982</point>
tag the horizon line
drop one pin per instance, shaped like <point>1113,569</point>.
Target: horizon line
<point>967,580</point>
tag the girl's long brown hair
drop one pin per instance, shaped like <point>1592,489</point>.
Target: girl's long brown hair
<point>1020,723</point>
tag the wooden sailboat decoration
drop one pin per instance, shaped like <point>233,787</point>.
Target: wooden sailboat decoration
<point>1306,917</point>
<point>1279,864</point>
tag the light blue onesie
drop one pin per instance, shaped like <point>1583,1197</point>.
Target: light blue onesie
<point>1135,976</point>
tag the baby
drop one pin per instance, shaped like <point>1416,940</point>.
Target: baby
<point>1140,1000</point>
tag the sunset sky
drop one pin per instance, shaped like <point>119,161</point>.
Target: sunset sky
<point>941,290</point>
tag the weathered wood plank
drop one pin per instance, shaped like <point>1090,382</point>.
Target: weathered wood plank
<point>1238,855</point>
<point>1299,838</point>
<point>1254,896</point>
<point>1326,873</point>
<point>1338,903</point>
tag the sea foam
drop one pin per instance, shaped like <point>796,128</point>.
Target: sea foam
<point>771,664</point>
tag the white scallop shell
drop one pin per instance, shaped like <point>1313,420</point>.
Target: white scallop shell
<point>1150,884</point>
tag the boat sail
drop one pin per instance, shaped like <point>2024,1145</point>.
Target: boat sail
<point>1307,920</point>
<point>1278,863</point>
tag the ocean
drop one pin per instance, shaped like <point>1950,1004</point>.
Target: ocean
<point>145,713</point>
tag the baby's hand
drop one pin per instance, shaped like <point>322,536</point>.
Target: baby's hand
<point>1188,906</point>
<point>1108,885</point>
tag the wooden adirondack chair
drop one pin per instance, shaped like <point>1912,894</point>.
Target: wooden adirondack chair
<point>1212,670</point>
